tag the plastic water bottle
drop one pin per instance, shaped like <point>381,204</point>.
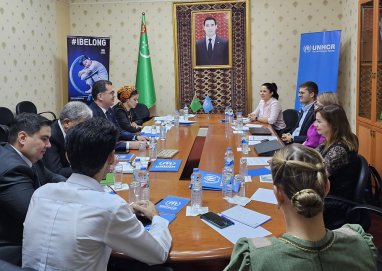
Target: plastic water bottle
<point>244,145</point>
<point>243,166</point>
<point>136,169</point>
<point>144,182</point>
<point>230,115</point>
<point>153,148</point>
<point>228,157</point>
<point>162,131</point>
<point>185,112</point>
<point>227,179</point>
<point>176,118</point>
<point>239,121</point>
<point>196,190</point>
<point>226,114</point>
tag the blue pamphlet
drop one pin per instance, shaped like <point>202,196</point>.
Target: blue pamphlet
<point>166,165</point>
<point>171,205</point>
<point>124,156</point>
<point>150,134</point>
<point>211,180</point>
<point>258,171</point>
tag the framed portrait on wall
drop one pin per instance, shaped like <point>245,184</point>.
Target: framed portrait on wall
<point>211,39</point>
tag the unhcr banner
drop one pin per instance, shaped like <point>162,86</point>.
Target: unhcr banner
<point>319,60</point>
<point>88,62</point>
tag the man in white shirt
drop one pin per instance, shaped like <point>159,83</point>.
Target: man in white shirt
<point>75,225</point>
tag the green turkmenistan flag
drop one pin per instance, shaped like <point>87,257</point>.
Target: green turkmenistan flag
<point>145,81</point>
<point>195,104</point>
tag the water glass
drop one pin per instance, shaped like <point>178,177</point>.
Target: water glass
<point>134,192</point>
<point>153,149</point>
<point>176,118</point>
<point>243,166</point>
<point>239,185</point>
<point>142,149</point>
<point>118,176</point>
<point>181,114</point>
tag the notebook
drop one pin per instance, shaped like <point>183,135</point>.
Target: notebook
<point>267,148</point>
<point>259,131</point>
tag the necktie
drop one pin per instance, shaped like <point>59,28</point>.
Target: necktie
<point>300,113</point>
<point>108,115</point>
<point>36,179</point>
<point>209,47</point>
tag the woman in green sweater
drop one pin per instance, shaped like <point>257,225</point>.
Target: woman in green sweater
<point>300,184</point>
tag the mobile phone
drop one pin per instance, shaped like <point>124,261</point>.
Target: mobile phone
<point>217,220</point>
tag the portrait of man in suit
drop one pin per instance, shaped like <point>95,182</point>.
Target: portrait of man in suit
<point>213,48</point>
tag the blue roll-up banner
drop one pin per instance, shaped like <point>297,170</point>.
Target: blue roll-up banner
<point>88,62</point>
<point>319,60</point>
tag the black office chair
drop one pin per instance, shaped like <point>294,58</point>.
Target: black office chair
<point>142,112</point>
<point>4,133</point>
<point>6,116</point>
<point>29,107</point>
<point>290,118</point>
<point>5,266</point>
<point>362,195</point>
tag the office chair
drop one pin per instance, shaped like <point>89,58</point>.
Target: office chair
<point>5,266</point>
<point>6,116</point>
<point>290,118</point>
<point>29,107</point>
<point>4,133</point>
<point>142,112</point>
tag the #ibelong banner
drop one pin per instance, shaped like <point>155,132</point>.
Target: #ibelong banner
<point>319,60</point>
<point>88,62</point>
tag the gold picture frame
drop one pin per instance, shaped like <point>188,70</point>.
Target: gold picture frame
<point>217,24</point>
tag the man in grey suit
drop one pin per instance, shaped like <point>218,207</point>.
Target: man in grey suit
<point>21,173</point>
<point>212,49</point>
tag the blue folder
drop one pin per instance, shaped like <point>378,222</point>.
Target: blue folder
<point>211,180</point>
<point>166,165</point>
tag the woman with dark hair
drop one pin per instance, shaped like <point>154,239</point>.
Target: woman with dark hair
<point>300,185</point>
<point>126,117</point>
<point>269,109</point>
<point>339,151</point>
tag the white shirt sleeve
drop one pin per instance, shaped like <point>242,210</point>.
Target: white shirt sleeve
<point>275,109</point>
<point>126,234</point>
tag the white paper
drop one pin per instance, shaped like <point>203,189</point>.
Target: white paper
<point>259,138</point>
<point>246,216</point>
<point>248,179</point>
<point>246,120</point>
<point>266,178</point>
<point>106,188</point>
<point>237,132</point>
<point>236,129</point>
<point>253,142</point>
<point>239,230</point>
<point>164,118</point>
<point>253,125</point>
<point>264,195</point>
<point>146,129</point>
<point>242,201</point>
<point>195,212</point>
<point>127,167</point>
<point>258,161</point>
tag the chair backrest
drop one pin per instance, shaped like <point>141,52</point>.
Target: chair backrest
<point>290,118</point>
<point>4,133</point>
<point>5,266</point>
<point>363,189</point>
<point>6,116</point>
<point>142,112</point>
<point>26,107</point>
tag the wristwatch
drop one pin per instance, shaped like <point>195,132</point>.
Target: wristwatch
<point>256,118</point>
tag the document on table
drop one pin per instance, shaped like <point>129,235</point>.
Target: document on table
<point>252,125</point>
<point>264,195</point>
<point>246,216</point>
<point>239,230</point>
<point>257,161</point>
<point>259,138</point>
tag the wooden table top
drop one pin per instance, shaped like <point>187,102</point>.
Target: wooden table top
<point>193,240</point>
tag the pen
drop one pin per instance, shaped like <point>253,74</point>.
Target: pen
<point>158,201</point>
<point>229,220</point>
<point>112,189</point>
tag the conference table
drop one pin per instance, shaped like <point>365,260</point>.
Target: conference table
<point>205,141</point>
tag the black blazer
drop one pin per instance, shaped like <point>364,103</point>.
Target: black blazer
<point>18,181</point>
<point>309,119</point>
<point>122,117</point>
<point>54,158</point>
<point>123,135</point>
<point>219,56</point>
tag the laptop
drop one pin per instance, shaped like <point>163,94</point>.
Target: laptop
<point>259,131</point>
<point>268,148</point>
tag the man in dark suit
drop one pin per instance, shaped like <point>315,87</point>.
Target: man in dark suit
<point>55,157</point>
<point>307,93</point>
<point>103,96</point>
<point>21,173</point>
<point>212,49</point>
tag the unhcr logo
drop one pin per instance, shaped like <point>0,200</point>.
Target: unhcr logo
<point>320,48</point>
<point>209,178</point>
